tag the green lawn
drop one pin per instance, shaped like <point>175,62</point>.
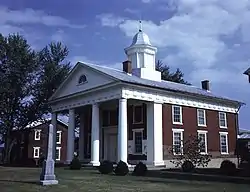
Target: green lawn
<point>24,179</point>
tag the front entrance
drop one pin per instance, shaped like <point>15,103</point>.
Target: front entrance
<point>112,147</point>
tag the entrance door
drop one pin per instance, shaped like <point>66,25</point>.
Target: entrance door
<point>112,147</point>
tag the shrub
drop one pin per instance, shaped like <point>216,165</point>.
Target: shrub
<point>228,168</point>
<point>190,151</point>
<point>75,164</point>
<point>140,169</point>
<point>106,167</point>
<point>121,169</point>
<point>187,166</point>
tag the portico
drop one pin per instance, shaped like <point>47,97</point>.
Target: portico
<point>112,143</point>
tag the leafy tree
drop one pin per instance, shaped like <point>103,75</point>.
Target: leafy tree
<point>190,151</point>
<point>27,79</point>
<point>166,75</point>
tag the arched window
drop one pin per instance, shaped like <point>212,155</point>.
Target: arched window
<point>82,79</point>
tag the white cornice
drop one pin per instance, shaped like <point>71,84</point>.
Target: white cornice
<point>87,99</point>
<point>147,95</point>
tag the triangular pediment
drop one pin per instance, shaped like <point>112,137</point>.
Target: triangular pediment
<point>81,78</point>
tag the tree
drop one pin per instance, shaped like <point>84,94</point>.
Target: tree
<point>190,151</point>
<point>166,75</point>
<point>27,79</point>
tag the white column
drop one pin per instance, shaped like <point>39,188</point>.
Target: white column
<point>95,143</point>
<point>54,123</point>
<point>154,134</point>
<point>123,131</point>
<point>71,136</point>
<point>81,138</point>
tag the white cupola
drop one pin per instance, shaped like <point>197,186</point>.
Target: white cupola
<point>142,56</point>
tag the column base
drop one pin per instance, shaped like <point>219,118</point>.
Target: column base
<point>95,163</point>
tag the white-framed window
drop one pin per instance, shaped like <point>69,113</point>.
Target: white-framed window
<point>137,138</point>
<point>201,117</point>
<point>137,114</point>
<point>58,153</point>
<point>36,152</point>
<point>224,143</point>
<point>177,114</point>
<point>37,134</point>
<point>202,135</point>
<point>178,141</point>
<point>58,137</point>
<point>223,120</point>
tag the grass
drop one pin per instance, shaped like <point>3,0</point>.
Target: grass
<point>26,180</point>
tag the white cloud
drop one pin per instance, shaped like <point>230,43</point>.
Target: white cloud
<point>30,16</point>
<point>110,20</point>
<point>196,31</point>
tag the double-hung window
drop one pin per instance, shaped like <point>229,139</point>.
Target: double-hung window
<point>202,136</point>
<point>222,120</point>
<point>58,153</point>
<point>177,114</point>
<point>223,143</point>
<point>36,152</point>
<point>37,134</point>
<point>201,117</point>
<point>137,114</point>
<point>138,137</point>
<point>178,141</point>
<point>58,137</point>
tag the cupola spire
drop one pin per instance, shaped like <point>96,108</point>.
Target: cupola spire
<point>140,26</point>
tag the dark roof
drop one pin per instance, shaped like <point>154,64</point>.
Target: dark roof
<point>166,85</point>
<point>247,72</point>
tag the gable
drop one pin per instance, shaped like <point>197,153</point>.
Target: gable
<point>79,73</point>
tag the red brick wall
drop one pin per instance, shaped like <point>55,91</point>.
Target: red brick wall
<point>190,127</point>
<point>42,143</point>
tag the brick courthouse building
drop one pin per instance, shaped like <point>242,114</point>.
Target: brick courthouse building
<point>132,114</point>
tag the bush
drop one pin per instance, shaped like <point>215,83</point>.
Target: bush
<point>228,168</point>
<point>106,167</point>
<point>187,166</point>
<point>75,164</point>
<point>140,169</point>
<point>121,169</point>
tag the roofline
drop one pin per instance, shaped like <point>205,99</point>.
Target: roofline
<point>191,94</point>
<point>45,121</point>
<point>112,84</point>
<point>79,63</point>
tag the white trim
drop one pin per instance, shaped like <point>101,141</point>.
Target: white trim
<point>225,115</point>
<point>102,94</point>
<point>177,131</point>
<point>141,106</point>
<point>37,135</point>
<point>137,131</point>
<point>36,149</point>
<point>204,133</point>
<point>60,137</point>
<point>116,91</point>
<point>59,153</point>
<point>224,134</point>
<point>147,94</point>
<point>204,116</point>
<point>181,120</point>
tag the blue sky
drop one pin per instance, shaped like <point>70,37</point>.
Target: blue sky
<point>205,39</point>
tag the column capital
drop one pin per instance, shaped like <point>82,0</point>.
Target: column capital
<point>96,104</point>
<point>123,99</point>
